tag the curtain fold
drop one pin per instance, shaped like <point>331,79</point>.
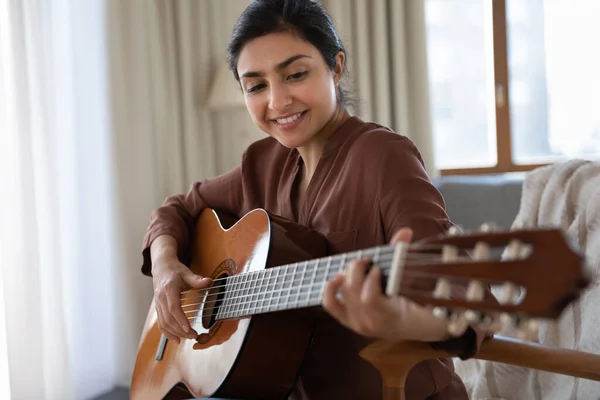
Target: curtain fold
<point>386,42</point>
<point>160,71</point>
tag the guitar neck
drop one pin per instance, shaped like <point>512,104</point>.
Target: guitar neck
<point>292,286</point>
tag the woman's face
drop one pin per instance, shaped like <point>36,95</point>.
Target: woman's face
<point>290,91</point>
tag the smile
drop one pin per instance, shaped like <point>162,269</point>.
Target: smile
<point>289,120</point>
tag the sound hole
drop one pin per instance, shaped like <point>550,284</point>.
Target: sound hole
<point>213,301</point>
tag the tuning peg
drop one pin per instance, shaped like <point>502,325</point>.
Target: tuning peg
<point>507,319</point>
<point>493,323</point>
<point>454,230</point>
<point>527,330</point>
<point>474,317</point>
<point>487,227</point>
<point>459,326</point>
<point>517,226</point>
<point>442,312</point>
<point>510,294</point>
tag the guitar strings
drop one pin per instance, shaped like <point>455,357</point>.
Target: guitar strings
<point>381,259</point>
<point>291,292</point>
<point>322,280</point>
<point>252,311</point>
<point>382,250</point>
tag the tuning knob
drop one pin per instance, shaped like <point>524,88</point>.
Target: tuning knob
<point>527,330</point>
<point>441,312</point>
<point>474,317</point>
<point>492,323</point>
<point>454,230</point>
<point>487,227</point>
<point>459,326</point>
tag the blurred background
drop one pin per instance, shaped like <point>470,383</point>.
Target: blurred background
<point>109,106</point>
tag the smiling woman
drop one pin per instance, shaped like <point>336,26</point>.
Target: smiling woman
<point>357,183</point>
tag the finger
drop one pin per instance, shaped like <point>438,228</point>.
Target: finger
<point>162,324</point>
<point>179,320</point>
<point>404,235</point>
<point>355,276</point>
<point>331,303</point>
<point>371,291</point>
<point>174,326</point>
<point>196,281</point>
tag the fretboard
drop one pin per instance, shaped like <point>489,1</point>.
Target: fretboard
<point>290,286</point>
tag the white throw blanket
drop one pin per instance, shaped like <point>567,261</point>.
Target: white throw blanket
<point>566,195</point>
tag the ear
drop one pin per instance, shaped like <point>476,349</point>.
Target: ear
<point>340,62</point>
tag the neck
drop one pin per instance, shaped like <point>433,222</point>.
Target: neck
<point>312,151</point>
<point>291,286</point>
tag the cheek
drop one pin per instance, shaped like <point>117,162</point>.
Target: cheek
<point>257,109</point>
<point>319,94</point>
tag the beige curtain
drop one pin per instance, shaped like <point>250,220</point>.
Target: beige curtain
<point>386,41</point>
<point>160,69</point>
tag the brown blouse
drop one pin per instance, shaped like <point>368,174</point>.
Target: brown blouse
<point>369,183</point>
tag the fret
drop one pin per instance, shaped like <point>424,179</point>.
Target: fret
<point>376,256</point>
<point>266,274</point>
<point>290,285</point>
<point>250,287</point>
<point>300,287</point>
<point>312,282</point>
<point>342,263</point>
<point>237,294</point>
<point>325,279</point>
<point>277,292</point>
<point>230,286</point>
<point>271,288</point>
<point>251,293</point>
<point>222,313</point>
<point>259,280</point>
<point>243,297</point>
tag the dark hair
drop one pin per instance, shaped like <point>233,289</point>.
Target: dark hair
<point>306,18</point>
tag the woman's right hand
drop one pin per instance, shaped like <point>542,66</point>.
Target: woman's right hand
<point>170,278</point>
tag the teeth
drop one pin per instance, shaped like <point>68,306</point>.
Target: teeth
<point>288,120</point>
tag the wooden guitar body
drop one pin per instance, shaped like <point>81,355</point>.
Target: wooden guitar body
<point>249,357</point>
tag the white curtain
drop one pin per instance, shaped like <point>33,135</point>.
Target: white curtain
<point>103,115</point>
<point>56,294</point>
<point>386,42</point>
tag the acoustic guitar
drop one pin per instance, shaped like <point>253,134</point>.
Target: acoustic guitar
<point>252,324</point>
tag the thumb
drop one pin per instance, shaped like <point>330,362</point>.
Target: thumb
<point>195,281</point>
<point>403,235</point>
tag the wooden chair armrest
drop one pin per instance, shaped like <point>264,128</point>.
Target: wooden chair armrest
<point>394,360</point>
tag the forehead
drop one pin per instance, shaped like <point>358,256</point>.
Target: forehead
<point>265,52</point>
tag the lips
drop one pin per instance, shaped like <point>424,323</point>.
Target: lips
<point>290,121</point>
<point>289,118</point>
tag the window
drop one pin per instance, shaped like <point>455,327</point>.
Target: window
<point>513,83</point>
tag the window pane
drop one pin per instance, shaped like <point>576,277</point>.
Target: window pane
<point>554,77</point>
<point>461,76</point>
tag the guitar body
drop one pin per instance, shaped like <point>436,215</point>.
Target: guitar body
<point>251,357</point>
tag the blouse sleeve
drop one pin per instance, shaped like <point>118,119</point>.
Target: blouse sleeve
<point>409,199</point>
<point>178,213</point>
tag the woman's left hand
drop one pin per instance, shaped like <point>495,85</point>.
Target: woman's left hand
<point>364,309</point>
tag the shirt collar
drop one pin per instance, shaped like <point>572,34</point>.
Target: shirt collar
<point>340,135</point>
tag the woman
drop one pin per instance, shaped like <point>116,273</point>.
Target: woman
<point>356,182</point>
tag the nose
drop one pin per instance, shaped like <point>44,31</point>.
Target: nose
<point>280,98</point>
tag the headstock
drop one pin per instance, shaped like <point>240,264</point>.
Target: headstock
<point>538,271</point>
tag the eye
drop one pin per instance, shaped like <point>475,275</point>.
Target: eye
<point>297,75</point>
<point>255,88</point>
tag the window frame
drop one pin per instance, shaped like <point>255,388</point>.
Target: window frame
<point>505,161</point>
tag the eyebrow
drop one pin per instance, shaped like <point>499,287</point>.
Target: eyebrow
<point>278,67</point>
